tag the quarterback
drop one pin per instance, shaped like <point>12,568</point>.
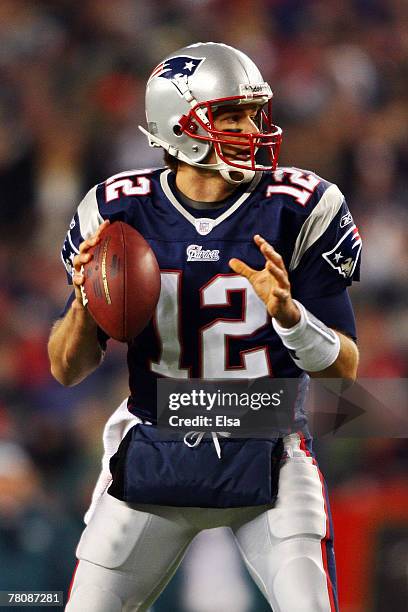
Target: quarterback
<point>255,262</point>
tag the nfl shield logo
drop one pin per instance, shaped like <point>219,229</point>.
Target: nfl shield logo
<point>204,226</point>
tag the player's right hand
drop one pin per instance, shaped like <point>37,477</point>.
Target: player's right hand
<point>82,258</point>
<point>271,284</point>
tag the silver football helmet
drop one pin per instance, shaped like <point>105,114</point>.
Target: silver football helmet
<point>186,89</point>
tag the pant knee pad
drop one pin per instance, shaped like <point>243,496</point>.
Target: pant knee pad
<point>93,599</point>
<point>301,586</point>
<point>299,579</point>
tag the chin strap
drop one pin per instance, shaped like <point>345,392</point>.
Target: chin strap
<point>247,175</point>
<point>227,173</point>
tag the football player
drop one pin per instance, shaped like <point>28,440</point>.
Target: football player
<point>255,262</point>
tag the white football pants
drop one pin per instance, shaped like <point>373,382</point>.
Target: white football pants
<point>127,553</point>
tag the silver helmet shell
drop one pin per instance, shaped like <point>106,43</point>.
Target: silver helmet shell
<point>184,90</point>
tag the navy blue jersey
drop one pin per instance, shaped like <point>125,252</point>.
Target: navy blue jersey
<point>209,323</point>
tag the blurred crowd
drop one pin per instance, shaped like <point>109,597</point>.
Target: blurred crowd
<point>72,79</point>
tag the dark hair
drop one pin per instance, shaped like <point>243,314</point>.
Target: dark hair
<point>170,161</point>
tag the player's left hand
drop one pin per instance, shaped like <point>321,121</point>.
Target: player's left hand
<point>271,284</point>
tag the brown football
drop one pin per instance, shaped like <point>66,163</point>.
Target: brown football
<point>122,282</point>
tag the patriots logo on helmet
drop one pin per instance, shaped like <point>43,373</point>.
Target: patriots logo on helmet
<point>177,70</point>
<point>344,256</point>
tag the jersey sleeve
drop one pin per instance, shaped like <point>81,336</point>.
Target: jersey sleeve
<point>335,310</point>
<point>84,224</point>
<point>113,199</point>
<point>326,256</point>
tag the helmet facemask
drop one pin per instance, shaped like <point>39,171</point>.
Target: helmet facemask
<point>267,139</point>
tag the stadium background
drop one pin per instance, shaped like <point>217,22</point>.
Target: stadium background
<point>71,96</point>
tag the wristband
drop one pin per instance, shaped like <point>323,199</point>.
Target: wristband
<point>312,345</point>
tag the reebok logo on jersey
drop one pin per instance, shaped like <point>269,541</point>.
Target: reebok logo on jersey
<point>346,219</point>
<point>195,252</point>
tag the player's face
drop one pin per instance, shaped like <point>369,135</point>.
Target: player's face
<point>237,120</point>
